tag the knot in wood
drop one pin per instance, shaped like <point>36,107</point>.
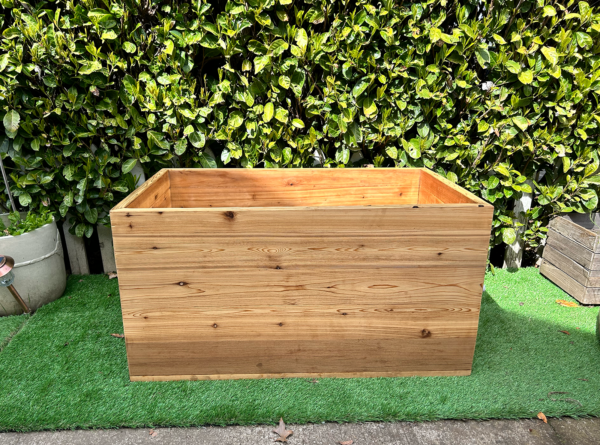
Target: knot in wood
<point>425,333</point>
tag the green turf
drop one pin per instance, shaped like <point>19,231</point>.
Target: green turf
<point>9,326</point>
<point>63,369</point>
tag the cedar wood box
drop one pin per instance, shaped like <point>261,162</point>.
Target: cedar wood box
<point>237,273</point>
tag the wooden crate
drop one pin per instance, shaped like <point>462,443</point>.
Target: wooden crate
<point>236,273</point>
<point>571,257</point>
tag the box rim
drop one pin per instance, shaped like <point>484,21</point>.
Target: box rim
<point>122,205</point>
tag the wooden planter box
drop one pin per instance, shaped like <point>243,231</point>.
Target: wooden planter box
<point>571,257</point>
<point>300,272</point>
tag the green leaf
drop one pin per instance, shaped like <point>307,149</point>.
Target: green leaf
<point>281,115</point>
<point>499,39</point>
<point>493,182</point>
<point>128,166</point>
<point>236,119</point>
<point>91,215</point>
<point>278,47</point>
<point>197,139</point>
<point>526,77</point>
<point>25,199</point>
<point>392,152</point>
<point>509,235</point>
<point>180,146</point>
<point>369,107</point>
<point>298,123</point>
<point>549,11</point>
<point>521,122</point>
<point>583,39</point>
<point>260,63</point>
<point>268,112</point>
<point>129,47</point>
<point>513,67</point>
<point>207,160</point>
<point>284,82</point>
<point>483,56</point>
<point>342,155</point>
<point>361,86</point>
<point>435,34</point>
<point>157,139</point>
<point>301,38</point>
<point>11,121</point>
<point>550,54</point>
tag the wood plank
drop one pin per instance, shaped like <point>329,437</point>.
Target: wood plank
<point>78,260</point>
<point>589,221</point>
<point>417,287</point>
<point>578,291</point>
<point>288,375</point>
<point>150,194</point>
<point>340,323</point>
<point>217,252</point>
<point>295,221</point>
<point>293,187</point>
<point>106,248</point>
<point>571,268</point>
<point>573,250</point>
<point>577,233</point>
<point>300,357</point>
<point>435,189</point>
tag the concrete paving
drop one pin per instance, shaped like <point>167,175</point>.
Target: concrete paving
<point>447,432</point>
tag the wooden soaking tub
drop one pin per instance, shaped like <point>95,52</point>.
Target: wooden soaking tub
<point>235,273</point>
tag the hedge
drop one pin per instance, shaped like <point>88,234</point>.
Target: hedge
<point>488,93</point>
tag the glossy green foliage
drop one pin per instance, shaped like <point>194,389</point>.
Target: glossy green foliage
<point>488,93</point>
<point>18,225</point>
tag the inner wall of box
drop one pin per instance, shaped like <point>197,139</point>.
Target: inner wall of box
<point>287,188</point>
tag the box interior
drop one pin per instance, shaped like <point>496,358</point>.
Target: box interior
<point>193,188</point>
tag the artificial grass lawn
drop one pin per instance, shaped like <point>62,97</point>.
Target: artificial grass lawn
<point>64,370</point>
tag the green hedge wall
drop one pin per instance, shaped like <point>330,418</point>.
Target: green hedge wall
<point>488,93</point>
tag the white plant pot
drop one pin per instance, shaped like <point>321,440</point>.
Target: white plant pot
<point>40,275</point>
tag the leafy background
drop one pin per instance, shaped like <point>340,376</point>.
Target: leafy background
<point>490,94</point>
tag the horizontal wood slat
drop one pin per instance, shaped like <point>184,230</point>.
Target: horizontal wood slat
<point>218,252</point>
<point>298,187</point>
<point>251,288</point>
<point>278,356</point>
<point>588,239</point>
<point>267,222</point>
<point>573,250</point>
<point>298,375</point>
<point>583,294</point>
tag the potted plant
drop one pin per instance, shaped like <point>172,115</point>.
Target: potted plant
<point>32,239</point>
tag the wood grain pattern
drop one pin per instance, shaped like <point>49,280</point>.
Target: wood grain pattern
<point>289,375</point>
<point>297,187</point>
<point>583,294</point>
<point>573,250</point>
<point>572,257</point>
<point>153,193</point>
<point>588,278</point>
<point>302,251</point>
<point>586,220</point>
<point>253,274</point>
<point>276,356</point>
<point>575,232</point>
<point>435,189</point>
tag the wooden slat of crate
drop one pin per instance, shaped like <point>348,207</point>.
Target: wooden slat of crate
<point>572,249</point>
<point>583,294</point>
<point>586,277</point>
<point>590,240</point>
